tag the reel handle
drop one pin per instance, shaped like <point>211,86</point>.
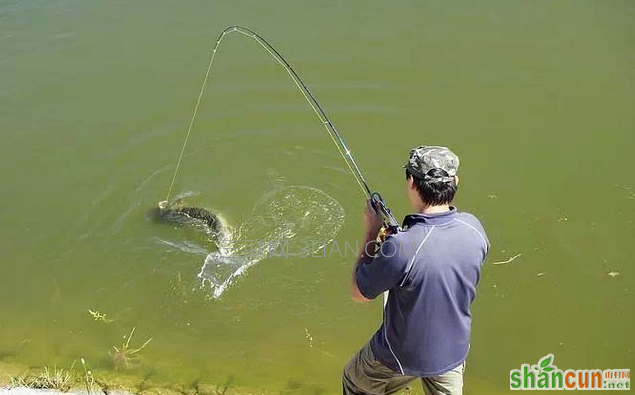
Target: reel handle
<point>383,233</point>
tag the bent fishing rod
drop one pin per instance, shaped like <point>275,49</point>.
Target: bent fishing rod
<point>390,222</point>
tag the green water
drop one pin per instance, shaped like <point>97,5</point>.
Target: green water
<point>537,98</point>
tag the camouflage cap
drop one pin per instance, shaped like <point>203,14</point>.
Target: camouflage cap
<point>426,158</point>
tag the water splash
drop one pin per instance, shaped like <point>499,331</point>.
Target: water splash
<point>303,219</point>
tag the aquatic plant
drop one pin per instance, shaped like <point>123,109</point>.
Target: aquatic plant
<point>97,316</point>
<point>126,357</point>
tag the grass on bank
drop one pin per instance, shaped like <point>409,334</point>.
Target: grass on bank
<point>123,358</point>
<point>54,379</point>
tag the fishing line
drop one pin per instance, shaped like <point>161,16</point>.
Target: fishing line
<point>390,222</point>
<point>306,92</point>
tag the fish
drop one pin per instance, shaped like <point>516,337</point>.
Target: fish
<point>180,214</point>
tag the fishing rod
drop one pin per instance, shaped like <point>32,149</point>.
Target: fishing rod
<point>390,222</point>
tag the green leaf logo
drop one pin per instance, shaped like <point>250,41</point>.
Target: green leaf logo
<point>546,361</point>
<point>544,364</point>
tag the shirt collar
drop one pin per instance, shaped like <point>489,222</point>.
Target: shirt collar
<point>430,219</point>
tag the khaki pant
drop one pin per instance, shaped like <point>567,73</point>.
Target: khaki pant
<point>365,375</point>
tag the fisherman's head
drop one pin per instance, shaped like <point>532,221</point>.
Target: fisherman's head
<point>431,178</point>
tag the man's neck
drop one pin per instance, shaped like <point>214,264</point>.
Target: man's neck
<point>425,209</point>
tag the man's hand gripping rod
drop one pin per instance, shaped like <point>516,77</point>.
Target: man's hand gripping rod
<point>390,224</point>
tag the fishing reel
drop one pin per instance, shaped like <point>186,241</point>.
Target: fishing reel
<point>390,224</point>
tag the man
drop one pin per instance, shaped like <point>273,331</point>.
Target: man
<point>430,271</point>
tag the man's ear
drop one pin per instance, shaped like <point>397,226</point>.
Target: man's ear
<point>410,181</point>
<point>456,180</point>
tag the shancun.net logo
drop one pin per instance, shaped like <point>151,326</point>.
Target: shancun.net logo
<point>545,376</point>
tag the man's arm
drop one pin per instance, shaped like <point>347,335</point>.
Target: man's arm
<point>372,224</point>
<point>369,245</point>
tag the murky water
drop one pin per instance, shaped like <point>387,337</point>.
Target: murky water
<point>536,98</point>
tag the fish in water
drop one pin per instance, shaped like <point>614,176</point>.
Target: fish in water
<point>176,212</point>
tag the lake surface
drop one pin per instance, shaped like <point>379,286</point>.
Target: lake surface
<point>537,99</point>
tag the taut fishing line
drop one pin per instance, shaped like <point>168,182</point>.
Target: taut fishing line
<point>376,199</point>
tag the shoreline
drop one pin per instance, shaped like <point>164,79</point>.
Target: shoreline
<point>109,383</point>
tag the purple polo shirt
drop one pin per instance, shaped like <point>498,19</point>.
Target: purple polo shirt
<point>431,269</point>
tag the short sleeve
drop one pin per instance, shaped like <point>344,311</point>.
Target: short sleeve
<point>384,272</point>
